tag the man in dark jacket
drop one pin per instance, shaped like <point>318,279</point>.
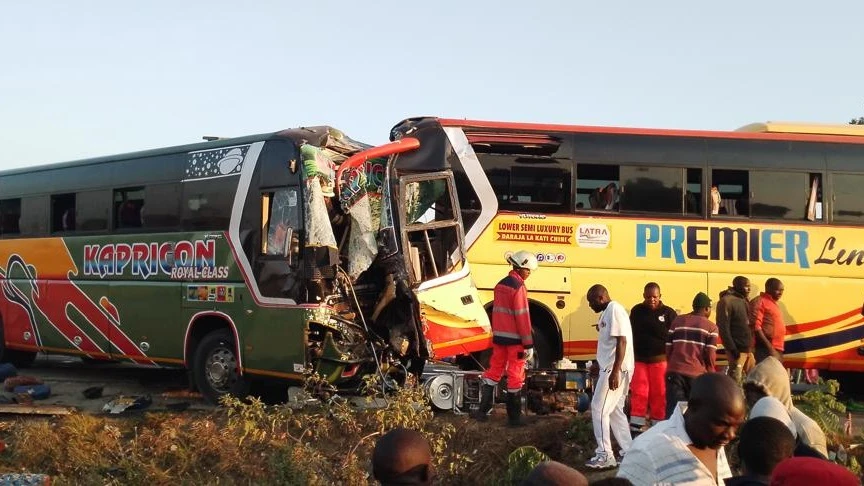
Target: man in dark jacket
<point>734,326</point>
<point>650,320</point>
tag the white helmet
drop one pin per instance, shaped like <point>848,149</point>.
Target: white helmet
<point>523,259</point>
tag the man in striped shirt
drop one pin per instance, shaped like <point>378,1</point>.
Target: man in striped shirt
<point>691,349</point>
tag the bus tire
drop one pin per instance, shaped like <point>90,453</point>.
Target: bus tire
<point>216,367</point>
<point>543,355</point>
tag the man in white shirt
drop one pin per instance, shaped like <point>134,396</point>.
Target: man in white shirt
<point>616,363</point>
<point>687,449</point>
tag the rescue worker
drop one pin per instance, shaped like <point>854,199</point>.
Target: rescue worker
<point>512,343</point>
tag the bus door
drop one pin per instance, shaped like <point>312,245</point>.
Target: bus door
<point>455,320</point>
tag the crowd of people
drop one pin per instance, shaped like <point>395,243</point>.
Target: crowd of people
<point>683,412</point>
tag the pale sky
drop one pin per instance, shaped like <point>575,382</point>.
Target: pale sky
<point>89,78</point>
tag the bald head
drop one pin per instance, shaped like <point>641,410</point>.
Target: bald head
<point>598,298</point>
<point>554,473</point>
<point>715,388</point>
<point>402,456</point>
<point>715,410</point>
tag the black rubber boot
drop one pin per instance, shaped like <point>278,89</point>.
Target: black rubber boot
<point>487,393</point>
<point>514,409</point>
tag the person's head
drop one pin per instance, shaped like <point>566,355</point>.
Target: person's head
<point>554,473</point>
<point>715,410</point>
<point>768,378</point>
<point>612,482</point>
<point>807,471</point>
<point>753,393</point>
<point>402,456</point>
<point>764,442</point>
<point>741,285</point>
<point>652,295</point>
<point>702,304</point>
<point>774,288</point>
<point>524,262</point>
<point>598,298</point>
<point>773,408</point>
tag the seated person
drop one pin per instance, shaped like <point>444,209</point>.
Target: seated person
<point>688,448</point>
<point>553,473</point>
<point>402,456</point>
<point>763,443</point>
<point>770,378</point>
<point>808,471</point>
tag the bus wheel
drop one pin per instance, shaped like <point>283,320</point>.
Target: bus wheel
<point>216,368</point>
<point>542,351</point>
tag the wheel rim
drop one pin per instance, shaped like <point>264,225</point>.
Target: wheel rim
<point>220,369</point>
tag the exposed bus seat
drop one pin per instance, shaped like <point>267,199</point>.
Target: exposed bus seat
<point>416,266</point>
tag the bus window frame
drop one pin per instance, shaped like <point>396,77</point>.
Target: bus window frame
<point>407,228</point>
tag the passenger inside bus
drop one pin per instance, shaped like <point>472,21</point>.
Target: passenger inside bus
<point>605,198</point>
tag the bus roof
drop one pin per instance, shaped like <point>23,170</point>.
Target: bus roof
<point>311,134</point>
<point>772,131</point>
<point>804,128</point>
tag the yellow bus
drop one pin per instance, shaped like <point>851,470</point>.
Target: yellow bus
<point>627,206</point>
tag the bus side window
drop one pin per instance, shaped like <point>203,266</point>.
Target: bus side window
<point>10,214</point>
<point>280,218</point>
<point>92,210</point>
<point>693,193</point>
<point>652,189</point>
<point>730,193</point>
<point>160,210</point>
<point>597,187</point>
<point>847,194</point>
<point>432,228</point>
<point>62,213</point>
<point>779,194</point>
<point>128,206</point>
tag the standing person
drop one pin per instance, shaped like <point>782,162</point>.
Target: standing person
<point>651,320</point>
<point>688,448</point>
<point>767,321</point>
<point>512,343</point>
<point>691,349</point>
<point>733,322</point>
<point>615,360</point>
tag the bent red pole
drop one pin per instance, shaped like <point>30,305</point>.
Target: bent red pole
<point>399,146</point>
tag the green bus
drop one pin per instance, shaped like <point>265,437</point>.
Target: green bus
<point>265,256</point>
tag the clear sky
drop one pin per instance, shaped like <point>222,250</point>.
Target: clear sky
<point>86,78</point>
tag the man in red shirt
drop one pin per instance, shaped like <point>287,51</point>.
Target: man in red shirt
<point>512,343</point>
<point>769,330</point>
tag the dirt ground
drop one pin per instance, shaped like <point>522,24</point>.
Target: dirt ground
<point>68,377</point>
<point>554,434</point>
<point>564,436</point>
